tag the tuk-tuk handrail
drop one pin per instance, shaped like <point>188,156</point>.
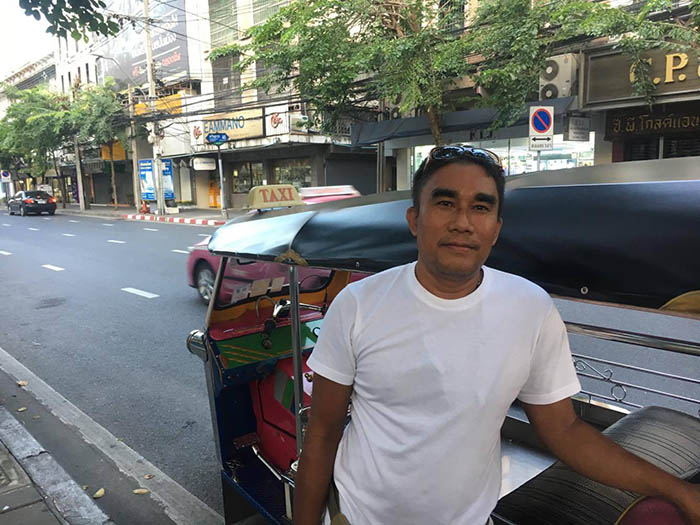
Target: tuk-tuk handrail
<point>634,338</point>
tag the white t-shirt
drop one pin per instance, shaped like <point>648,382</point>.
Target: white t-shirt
<point>432,381</point>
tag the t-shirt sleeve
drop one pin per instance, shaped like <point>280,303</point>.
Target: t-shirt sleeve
<point>552,373</point>
<point>333,356</point>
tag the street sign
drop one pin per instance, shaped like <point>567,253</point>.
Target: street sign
<point>541,126</point>
<point>217,139</point>
<point>5,176</point>
<point>577,129</point>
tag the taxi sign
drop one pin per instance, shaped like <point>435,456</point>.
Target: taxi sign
<point>273,196</point>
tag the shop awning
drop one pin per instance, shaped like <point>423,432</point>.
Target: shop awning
<point>366,133</point>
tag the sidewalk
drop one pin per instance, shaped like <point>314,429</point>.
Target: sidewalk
<point>195,216</point>
<point>34,488</point>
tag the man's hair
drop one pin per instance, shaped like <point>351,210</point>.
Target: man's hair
<point>426,170</point>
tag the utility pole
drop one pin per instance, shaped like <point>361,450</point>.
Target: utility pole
<point>381,161</point>
<point>157,153</point>
<point>134,160</point>
<point>79,175</point>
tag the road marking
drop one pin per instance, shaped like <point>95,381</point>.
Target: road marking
<point>5,224</point>
<point>180,505</point>
<point>136,291</point>
<point>203,234</point>
<point>71,220</point>
<point>34,229</point>
<point>46,218</point>
<point>3,252</point>
<point>151,229</point>
<point>68,234</point>
<point>179,251</point>
<point>52,267</point>
<point>114,241</point>
<point>107,224</point>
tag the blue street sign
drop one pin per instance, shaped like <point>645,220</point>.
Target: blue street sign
<point>217,138</point>
<point>148,192</point>
<point>541,120</point>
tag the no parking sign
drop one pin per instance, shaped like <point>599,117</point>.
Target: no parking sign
<point>541,128</point>
<point>5,176</point>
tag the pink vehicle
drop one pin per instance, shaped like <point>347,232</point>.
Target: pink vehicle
<point>240,275</point>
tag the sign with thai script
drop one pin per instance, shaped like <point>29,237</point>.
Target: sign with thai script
<point>243,124</point>
<point>611,75</point>
<point>148,192</point>
<point>679,118</point>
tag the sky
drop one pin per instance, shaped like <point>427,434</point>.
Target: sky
<point>23,38</point>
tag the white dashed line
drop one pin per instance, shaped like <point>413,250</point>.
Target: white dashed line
<point>107,224</point>
<point>71,220</point>
<point>68,234</point>
<point>52,267</point>
<point>46,218</point>
<point>203,234</point>
<point>3,252</point>
<point>116,242</point>
<point>136,291</point>
<point>151,229</point>
<point>5,224</point>
<point>34,229</point>
<point>179,251</point>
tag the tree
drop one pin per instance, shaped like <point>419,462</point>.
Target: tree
<point>72,17</point>
<point>98,116</point>
<point>344,55</point>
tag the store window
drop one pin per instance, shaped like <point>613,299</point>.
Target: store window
<point>247,175</point>
<point>517,158</point>
<point>293,171</point>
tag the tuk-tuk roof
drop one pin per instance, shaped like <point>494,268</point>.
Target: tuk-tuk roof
<point>629,243</point>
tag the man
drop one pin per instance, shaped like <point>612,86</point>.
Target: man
<point>432,354</point>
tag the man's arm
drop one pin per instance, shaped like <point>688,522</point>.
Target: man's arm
<point>593,455</point>
<point>329,408</point>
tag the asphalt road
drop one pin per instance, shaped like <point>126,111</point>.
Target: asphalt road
<point>121,357</point>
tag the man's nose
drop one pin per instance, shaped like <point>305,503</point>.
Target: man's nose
<point>461,221</point>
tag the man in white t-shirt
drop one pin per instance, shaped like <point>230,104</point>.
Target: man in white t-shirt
<point>432,354</point>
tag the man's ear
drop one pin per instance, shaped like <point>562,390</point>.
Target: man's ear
<point>412,220</point>
<point>498,232</point>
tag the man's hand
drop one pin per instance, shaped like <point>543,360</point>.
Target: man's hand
<point>593,455</point>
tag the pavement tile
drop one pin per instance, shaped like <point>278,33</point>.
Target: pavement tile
<point>20,497</point>
<point>36,514</point>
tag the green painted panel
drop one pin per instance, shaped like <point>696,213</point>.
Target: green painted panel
<point>248,349</point>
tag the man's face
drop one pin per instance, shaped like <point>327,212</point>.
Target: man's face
<point>457,222</point>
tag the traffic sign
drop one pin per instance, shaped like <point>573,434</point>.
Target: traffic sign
<point>5,176</point>
<point>217,139</point>
<point>541,128</point>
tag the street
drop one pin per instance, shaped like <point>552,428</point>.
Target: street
<point>99,309</point>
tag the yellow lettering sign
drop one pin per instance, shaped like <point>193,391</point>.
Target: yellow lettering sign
<point>672,66</point>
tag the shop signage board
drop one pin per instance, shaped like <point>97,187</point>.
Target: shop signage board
<point>203,164</point>
<point>148,192</point>
<point>238,125</point>
<point>577,129</point>
<point>277,120</point>
<point>628,123</point>
<point>5,176</point>
<point>541,124</point>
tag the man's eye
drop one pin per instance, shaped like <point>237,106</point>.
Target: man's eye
<point>444,203</point>
<point>481,207</point>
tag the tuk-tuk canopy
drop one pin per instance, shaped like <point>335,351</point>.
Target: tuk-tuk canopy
<point>629,243</point>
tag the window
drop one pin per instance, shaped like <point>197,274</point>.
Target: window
<point>293,171</point>
<point>63,84</point>
<point>223,22</point>
<point>452,12</point>
<point>264,9</point>
<point>226,81</point>
<point>87,74</point>
<point>247,175</point>
<point>79,76</point>
<point>70,81</point>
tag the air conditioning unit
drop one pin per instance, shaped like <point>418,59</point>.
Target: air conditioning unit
<point>298,123</point>
<point>297,107</point>
<point>559,77</point>
<point>392,111</point>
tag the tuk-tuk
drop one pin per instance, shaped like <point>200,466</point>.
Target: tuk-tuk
<point>625,235</point>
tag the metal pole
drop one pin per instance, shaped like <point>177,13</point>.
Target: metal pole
<point>134,157</point>
<point>157,168</point>
<point>538,159</point>
<point>221,182</point>
<point>380,153</point>
<point>296,353</point>
<point>79,175</point>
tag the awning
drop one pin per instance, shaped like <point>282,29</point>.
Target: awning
<point>366,133</point>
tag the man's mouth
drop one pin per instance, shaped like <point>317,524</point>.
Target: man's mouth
<point>456,245</point>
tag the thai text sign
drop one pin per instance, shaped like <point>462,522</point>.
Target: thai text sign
<point>243,124</point>
<point>148,192</point>
<point>640,121</point>
<point>611,75</point>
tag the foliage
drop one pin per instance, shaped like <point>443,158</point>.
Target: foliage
<point>36,123</point>
<point>344,55</point>
<point>76,18</point>
<point>96,113</point>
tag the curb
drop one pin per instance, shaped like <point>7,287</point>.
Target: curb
<point>73,504</point>
<point>176,220</point>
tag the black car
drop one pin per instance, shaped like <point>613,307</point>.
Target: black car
<point>36,201</point>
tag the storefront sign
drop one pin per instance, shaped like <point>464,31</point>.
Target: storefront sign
<point>277,120</point>
<point>203,164</point>
<point>634,122</point>
<point>611,75</point>
<point>244,124</point>
<point>171,104</point>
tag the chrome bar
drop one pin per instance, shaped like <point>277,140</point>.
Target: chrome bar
<point>640,387</point>
<point>633,338</point>
<point>296,353</point>
<point>591,395</point>
<point>637,369</point>
<point>217,285</point>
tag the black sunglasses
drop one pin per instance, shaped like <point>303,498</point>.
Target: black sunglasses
<point>452,151</point>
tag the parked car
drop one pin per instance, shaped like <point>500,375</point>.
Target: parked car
<point>35,201</point>
<point>202,265</point>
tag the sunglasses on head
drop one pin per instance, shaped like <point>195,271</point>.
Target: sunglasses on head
<point>453,151</point>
